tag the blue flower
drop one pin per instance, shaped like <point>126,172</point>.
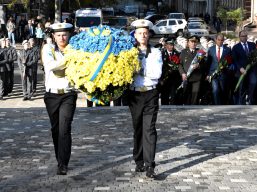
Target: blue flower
<point>89,43</point>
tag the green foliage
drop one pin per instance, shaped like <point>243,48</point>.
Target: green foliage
<point>13,2</point>
<point>222,13</point>
<point>234,15</point>
<point>237,15</point>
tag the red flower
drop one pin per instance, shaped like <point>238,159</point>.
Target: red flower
<point>175,59</point>
<point>229,59</point>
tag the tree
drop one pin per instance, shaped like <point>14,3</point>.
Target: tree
<point>236,15</point>
<point>24,2</point>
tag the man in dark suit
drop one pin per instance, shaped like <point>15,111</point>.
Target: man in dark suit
<point>170,78</point>
<point>192,88</point>
<point>30,30</point>
<point>240,53</point>
<point>216,54</point>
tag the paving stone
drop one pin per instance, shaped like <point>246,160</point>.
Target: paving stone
<point>198,149</point>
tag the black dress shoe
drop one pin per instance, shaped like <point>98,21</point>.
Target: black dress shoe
<point>140,168</point>
<point>25,98</point>
<point>150,172</point>
<point>62,170</point>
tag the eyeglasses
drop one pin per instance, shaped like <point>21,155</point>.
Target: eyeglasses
<point>243,35</point>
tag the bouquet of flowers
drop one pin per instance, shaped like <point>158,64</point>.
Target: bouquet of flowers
<point>101,63</point>
<point>252,60</point>
<point>223,64</point>
<point>197,59</point>
<point>173,62</point>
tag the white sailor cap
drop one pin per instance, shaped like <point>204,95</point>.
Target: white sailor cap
<point>2,39</point>
<point>142,23</point>
<point>24,42</point>
<point>58,27</point>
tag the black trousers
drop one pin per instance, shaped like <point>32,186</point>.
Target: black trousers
<point>34,77</point>
<point>191,93</point>
<point>61,110</point>
<point>144,109</point>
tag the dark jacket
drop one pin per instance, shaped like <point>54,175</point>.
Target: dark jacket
<point>186,58</point>
<point>11,57</point>
<point>212,59</point>
<point>240,57</point>
<point>3,60</point>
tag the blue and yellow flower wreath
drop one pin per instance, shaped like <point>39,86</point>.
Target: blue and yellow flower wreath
<point>101,62</point>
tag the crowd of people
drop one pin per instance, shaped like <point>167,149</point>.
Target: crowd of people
<point>179,70</point>
<point>178,53</point>
<point>33,34</point>
<point>214,79</point>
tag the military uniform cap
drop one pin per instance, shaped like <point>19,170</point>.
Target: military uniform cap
<point>193,38</point>
<point>24,42</point>
<point>142,23</point>
<point>59,27</point>
<point>170,41</point>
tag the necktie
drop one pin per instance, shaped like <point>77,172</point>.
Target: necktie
<point>31,30</point>
<point>218,55</point>
<point>246,49</point>
<point>170,56</point>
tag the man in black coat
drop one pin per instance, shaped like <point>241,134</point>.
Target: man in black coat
<point>11,58</point>
<point>3,61</point>
<point>170,78</point>
<point>35,51</point>
<point>240,53</point>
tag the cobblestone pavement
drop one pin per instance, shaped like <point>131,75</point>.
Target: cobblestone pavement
<point>203,148</point>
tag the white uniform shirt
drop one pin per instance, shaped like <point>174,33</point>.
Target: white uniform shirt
<point>50,62</point>
<point>152,69</point>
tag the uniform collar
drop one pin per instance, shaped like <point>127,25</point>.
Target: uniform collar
<point>148,50</point>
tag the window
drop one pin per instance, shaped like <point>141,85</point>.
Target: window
<point>172,22</point>
<point>162,23</point>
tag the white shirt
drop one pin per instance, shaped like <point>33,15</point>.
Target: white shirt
<point>152,69</point>
<point>50,62</point>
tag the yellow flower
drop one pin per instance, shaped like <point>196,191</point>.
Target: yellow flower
<point>117,70</point>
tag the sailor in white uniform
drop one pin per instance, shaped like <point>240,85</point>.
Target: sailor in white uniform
<point>143,100</point>
<point>60,98</point>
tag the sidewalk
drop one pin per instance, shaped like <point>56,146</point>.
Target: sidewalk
<point>14,100</point>
<point>199,149</point>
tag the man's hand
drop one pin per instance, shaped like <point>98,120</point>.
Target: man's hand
<point>242,70</point>
<point>195,65</point>
<point>184,77</point>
